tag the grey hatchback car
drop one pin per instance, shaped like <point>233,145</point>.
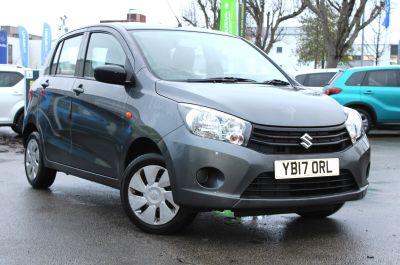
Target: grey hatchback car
<point>183,120</point>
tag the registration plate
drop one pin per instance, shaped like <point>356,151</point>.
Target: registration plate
<point>287,169</point>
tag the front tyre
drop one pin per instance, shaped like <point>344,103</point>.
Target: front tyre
<point>39,176</point>
<point>322,213</point>
<point>147,199</point>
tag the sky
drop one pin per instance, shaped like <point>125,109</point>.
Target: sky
<point>32,14</point>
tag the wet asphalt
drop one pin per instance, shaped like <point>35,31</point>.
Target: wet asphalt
<point>80,222</point>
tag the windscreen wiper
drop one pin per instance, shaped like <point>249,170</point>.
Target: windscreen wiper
<point>227,79</point>
<point>276,82</point>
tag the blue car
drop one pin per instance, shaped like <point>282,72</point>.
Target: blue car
<point>373,91</point>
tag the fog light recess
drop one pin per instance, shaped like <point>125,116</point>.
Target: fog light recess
<point>209,177</point>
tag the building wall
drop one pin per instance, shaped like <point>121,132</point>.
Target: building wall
<point>34,52</point>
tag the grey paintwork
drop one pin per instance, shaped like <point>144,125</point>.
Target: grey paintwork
<point>98,136</point>
<point>258,103</point>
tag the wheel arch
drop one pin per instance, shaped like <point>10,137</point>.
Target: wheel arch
<point>367,107</point>
<point>138,147</point>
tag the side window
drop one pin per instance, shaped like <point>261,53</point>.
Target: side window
<point>54,63</point>
<point>319,79</point>
<point>10,79</point>
<point>383,78</point>
<point>355,79</point>
<point>301,79</point>
<point>69,56</point>
<point>103,49</point>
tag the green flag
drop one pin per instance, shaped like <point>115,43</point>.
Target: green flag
<point>228,21</point>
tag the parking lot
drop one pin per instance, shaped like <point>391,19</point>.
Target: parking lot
<point>80,222</point>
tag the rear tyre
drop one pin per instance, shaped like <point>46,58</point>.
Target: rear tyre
<point>39,176</point>
<point>366,119</point>
<point>147,198</point>
<point>323,213</point>
<point>17,127</point>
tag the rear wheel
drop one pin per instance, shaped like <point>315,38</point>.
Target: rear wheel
<point>366,119</point>
<point>17,127</point>
<point>39,176</point>
<point>322,213</point>
<point>147,198</point>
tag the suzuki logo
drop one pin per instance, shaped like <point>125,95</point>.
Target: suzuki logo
<point>306,141</point>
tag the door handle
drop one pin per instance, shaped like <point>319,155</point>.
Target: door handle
<point>368,92</point>
<point>45,84</point>
<point>79,90</point>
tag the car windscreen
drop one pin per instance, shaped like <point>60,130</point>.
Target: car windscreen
<point>184,55</point>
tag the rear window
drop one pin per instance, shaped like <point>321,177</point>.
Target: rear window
<point>10,79</point>
<point>336,77</point>
<point>355,79</point>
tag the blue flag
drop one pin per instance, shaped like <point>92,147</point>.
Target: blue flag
<point>3,47</point>
<point>386,22</point>
<point>23,45</point>
<point>46,42</point>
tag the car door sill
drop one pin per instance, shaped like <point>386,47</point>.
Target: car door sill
<point>108,181</point>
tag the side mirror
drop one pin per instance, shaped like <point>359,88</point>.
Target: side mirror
<point>111,74</point>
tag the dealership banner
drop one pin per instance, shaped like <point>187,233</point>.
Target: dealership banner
<point>23,45</point>
<point>228,20</point>
<point>46,42</point>
<point>386,21</point>
<point>3,47</point>
<point>242,18</point>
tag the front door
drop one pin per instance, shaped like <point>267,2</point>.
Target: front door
<point>98,110</point>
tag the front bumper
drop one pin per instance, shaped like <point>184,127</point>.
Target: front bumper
<point>186,154</point>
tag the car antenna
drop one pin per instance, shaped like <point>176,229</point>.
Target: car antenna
<point>177,19</point>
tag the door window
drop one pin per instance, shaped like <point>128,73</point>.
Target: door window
<point>383,78</point>
<point>69,56</point>
<point>104,49</point>
<point>10,79</point>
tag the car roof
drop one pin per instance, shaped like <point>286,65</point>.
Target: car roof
<point>146,26</point>
<point>13,68</point>
<point>369,68</point>
<point>315,71</point>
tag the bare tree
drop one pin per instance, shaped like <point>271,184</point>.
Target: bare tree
<point>348,24</point>
<point>377,48</point>
<point>268,18</point>
<point>210,13</point>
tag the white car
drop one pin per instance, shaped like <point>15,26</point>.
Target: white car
<point>315,78</point>
<point>12,96</point>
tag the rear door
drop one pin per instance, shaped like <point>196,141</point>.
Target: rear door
<point>381,90</point>
<point>98,108</point>
<point>55,101</point>
<point>10,94</point>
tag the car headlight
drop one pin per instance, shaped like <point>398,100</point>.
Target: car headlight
<point>215,125</point>
<point>354,124</point>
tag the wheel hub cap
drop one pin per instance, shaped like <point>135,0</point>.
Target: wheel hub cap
<point>150,195</point>
<point>32,156</point>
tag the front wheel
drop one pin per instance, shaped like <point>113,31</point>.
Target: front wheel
<point>39,176</point>
<point>366,119</point>
<point>147,199</point>
<point>322,213</point>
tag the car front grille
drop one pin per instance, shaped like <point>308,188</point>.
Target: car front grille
<point>266,186</point>
<point>286,140</point>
